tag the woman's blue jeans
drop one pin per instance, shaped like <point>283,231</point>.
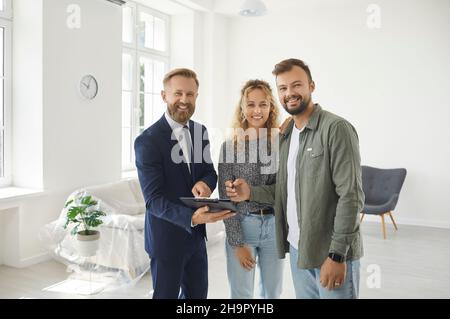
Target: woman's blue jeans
<point>259,235</point>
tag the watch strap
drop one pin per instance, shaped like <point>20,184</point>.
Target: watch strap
<point>336,257</point>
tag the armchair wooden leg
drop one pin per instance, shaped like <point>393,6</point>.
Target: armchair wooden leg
<point>393,221</point>
<point>362,217</point>
<point>383,225</point>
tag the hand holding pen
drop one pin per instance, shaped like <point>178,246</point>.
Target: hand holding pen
<point>238,190</point>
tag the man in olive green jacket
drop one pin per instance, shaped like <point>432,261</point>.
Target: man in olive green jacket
<point>318,193</point>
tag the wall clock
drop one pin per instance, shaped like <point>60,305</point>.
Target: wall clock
<point>88,87</point>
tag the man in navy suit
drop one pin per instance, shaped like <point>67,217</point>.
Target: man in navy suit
<point>173,160</point>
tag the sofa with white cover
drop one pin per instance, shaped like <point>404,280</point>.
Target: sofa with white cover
<point>121,252</point>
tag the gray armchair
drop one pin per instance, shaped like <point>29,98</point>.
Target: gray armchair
<point>381,188</point>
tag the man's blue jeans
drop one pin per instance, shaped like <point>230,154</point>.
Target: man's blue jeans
<point>307,281</point>
<point>259,235</point>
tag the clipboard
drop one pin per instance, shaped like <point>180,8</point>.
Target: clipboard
<point>214,204</point>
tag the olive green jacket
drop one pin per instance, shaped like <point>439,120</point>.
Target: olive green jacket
<point>328,182</point>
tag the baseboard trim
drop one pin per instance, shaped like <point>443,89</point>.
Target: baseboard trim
<point>27,262</point>
<point>408,221</point>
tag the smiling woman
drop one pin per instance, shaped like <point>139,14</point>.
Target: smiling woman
<point>256,108</point>
<point>244,157</point>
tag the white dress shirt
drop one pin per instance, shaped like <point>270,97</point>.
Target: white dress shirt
<point>183,137</point>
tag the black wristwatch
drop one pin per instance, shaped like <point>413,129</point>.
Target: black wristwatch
<point>336,257</point>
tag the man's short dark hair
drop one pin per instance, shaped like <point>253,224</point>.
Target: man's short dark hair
<point>288,64</point>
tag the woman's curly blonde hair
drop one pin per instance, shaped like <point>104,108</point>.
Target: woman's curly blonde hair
<point>239,120</point>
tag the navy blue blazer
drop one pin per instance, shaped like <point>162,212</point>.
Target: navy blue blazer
<point>167,220</point>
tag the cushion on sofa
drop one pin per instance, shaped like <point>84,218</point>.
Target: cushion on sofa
<point>125,222</point>
<point>122,197</point>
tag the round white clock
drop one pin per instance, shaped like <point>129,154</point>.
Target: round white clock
<point>88,87</point>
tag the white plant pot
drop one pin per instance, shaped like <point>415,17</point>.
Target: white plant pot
<point>88,244</point>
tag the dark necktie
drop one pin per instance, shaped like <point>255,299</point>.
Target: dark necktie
<point>190,154</point>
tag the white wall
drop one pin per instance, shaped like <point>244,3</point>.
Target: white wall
<point>27,94</point>
<point>216,87</point>
<point>9,249</point>
<point>392,83</point>
<point>181,44</point>
<point>80,140</point>
<point>2,238</point>
<point>63,142</point>
<point>200,41</point>
<point>192,46</point>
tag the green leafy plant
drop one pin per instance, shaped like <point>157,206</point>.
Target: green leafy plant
<point>82,210</point>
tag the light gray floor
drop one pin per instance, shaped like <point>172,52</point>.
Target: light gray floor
<point>413,263</point>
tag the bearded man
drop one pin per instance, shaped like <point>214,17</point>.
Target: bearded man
<point>318,193</point>
<point>173,160</point>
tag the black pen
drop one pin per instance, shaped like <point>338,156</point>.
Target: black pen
<point>232,182</point>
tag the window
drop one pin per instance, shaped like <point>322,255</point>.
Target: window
<point>145,60</point>
<point>5,9</point>
<point>5,92</point>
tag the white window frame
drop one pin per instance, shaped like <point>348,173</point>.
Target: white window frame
<point>5,22</point>
<point>137,52</point>
<point>7,11</point>
<point>165,60</point>
<point>132,45</point>
<point>166,20</point>
<point>133,53</point>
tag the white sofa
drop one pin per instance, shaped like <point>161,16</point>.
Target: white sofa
<point>122,231</point>
<point>121,248</point>
<point>121,252</point>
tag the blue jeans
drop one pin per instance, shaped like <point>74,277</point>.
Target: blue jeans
<point>307,281</point>
<point>259,235</point>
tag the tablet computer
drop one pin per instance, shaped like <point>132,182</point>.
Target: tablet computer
<point>214,204</point>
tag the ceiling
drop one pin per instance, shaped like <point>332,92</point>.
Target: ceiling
<point>231,7</point>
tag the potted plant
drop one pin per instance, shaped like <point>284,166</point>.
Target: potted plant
<point>84,212</point>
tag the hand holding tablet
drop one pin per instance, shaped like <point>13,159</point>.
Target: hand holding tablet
<point>214,204</point>
<point>204,214</point>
